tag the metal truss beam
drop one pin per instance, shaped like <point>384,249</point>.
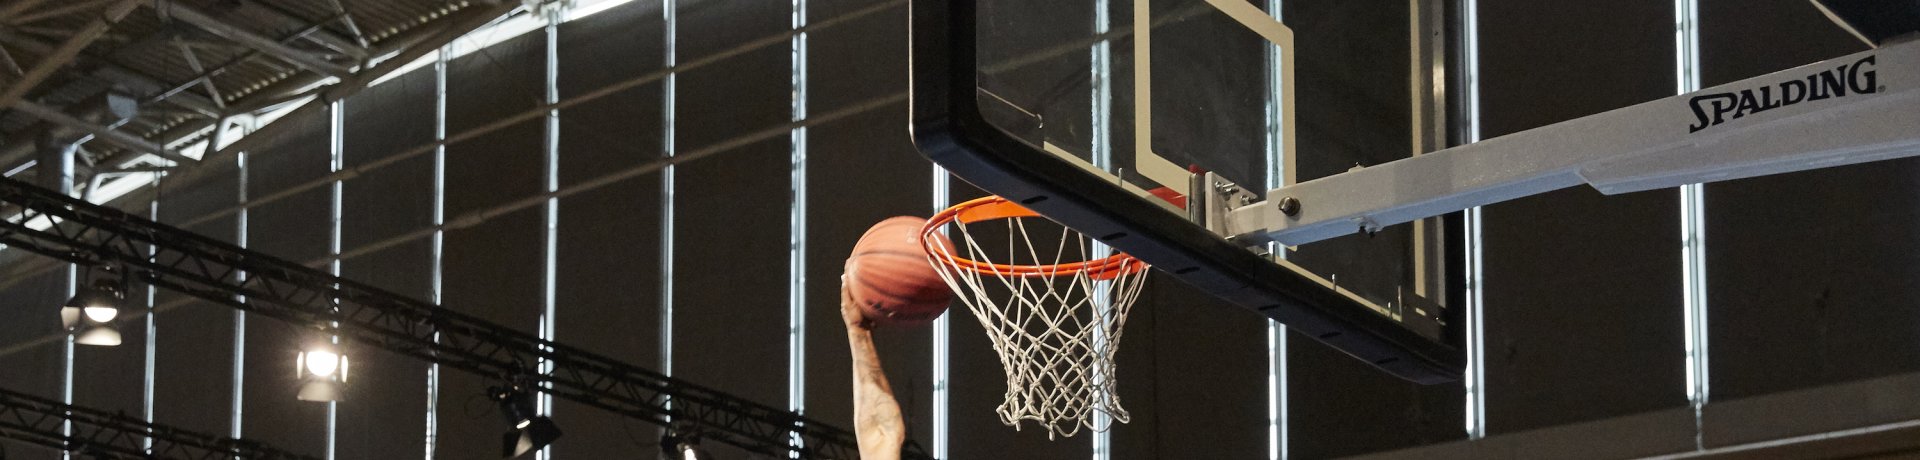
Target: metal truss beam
<point>93,235</point>
<point>404,49</point>
<point>103,435</point>
<point>273,47</point>
<point>121,138</point>
<point>66,52</point>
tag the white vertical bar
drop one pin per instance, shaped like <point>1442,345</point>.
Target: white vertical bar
<point>669,12</point>
<point>797,224</point>
<point>1476,423</point>
<point>1693,227</point>
<point>435,267</point>
<point>1276,156</point>
<point>551,236</point>
<point>65,184</point>
<point>336,161</point>
<point>148,370</point>
<point>66,358</point>
<point>239,316</point>
<point>1100,86</point>
<point>942,326</point>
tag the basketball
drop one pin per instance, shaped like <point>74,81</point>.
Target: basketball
<point>889,276</point>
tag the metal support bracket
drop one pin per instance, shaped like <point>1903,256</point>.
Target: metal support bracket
<point>1841,111</point>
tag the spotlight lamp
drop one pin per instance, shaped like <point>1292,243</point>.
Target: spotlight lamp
<point>89,315</point>
<point>682,442</point>
<point>527,430</point>
<point>322,371</point>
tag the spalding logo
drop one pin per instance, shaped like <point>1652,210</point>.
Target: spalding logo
<point>1713,109</point>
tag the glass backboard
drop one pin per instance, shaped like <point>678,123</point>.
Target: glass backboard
<point>1116,117</point>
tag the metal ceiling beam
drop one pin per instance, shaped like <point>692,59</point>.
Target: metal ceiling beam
<point>213,25</point>
<point>67,51</point>
<point>100,434</point>
<point>322,36</point>
<point>16,7</point>
<point>408,46</point>
<point>121,138</point>
<point>350,86</point>
<point>106,68</point>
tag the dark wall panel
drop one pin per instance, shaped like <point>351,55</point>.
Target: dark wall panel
<point>1823,294</point>
<point>193,386</point>
<point>297,228</point>
<point>858,60</point>
<point>608,302</point>
<point>709,27</point>
<point>384,415</point>
<point>733,98</point>
<point>612,46</point>
<point>1341,406</point>
<point>1582,290</point>
<point>395,198</point>
<point>386,206</point>
<point>496,169</point>
<point>730,274</point>
<point>496,82</point>
<point>610,135</point>
<point>857,175</point>
<point>1193,376</point>
<point>32,334</point>
<point>493,272</point>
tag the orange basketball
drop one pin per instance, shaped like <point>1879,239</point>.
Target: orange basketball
<point>889,276</point>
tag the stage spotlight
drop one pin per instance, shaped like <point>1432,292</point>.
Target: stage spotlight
<point>89,314</point>
<point>322,371</point>
<point>528,430</point>
<point>683,443</point>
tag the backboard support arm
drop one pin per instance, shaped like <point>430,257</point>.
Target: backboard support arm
<point>1847,110</point>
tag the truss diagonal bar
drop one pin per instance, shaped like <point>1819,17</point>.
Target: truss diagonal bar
<point>102,434</point>
<point>305,59</point>
<point>66,52</point>
<point>89,234</point>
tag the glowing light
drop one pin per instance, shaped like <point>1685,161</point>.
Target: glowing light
<point>322,363</point>
<point>101,314</point>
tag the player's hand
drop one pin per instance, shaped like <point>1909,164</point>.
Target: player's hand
<point>850,312</point>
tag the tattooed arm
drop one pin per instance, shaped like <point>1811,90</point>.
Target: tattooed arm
<point>876,416</point>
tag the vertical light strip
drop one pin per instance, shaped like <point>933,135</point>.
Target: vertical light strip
<point>942,326</point>
<point>1476,423</point>
<point>1100,86</point>
<point>73,283</point>
<point>1276,177</point>
<point>66,361</point>
<point>797,224</point>
<point>336,161</point>
<point>148,370</point>
<point>239,316</point>
<point>434,265</point>
<point>1693,225</point>
<point>669,12</point>
<point>551,236</point>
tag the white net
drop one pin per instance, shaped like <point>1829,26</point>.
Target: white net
<point>1054,309</point>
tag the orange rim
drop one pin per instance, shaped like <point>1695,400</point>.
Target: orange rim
<point>994,207</point>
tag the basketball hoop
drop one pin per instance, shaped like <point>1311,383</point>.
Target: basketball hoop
<point>1055,325</point>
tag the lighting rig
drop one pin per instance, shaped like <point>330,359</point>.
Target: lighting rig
<point>84,233</point>
<point>105,435</point>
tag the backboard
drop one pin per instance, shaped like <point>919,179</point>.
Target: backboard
<point>1134,122</point>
